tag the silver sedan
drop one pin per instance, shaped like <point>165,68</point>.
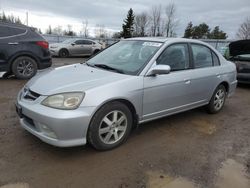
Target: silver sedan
<point>75,47</point>
<point>131,82</point>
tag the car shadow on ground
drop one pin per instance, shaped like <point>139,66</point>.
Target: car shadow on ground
<point>145,129</point>
<point>243,86</point>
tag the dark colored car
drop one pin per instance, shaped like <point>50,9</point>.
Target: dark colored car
<point>22,50</point>
<point>239,53</point>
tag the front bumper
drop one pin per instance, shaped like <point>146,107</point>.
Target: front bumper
<point>62,128</point>
<point>54,51</point>
<point>243,78</point>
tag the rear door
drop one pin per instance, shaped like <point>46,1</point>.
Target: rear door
<point>206,73</point>
<point>9,43</point>
<point>87,47</point>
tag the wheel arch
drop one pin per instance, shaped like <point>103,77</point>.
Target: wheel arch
<point>126,102</point>
<point>226,85</point>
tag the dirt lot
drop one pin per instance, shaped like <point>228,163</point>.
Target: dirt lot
<point>191,149</point>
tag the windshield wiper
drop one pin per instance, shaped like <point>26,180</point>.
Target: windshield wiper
<point>90,65</point>
<point>103,66</point>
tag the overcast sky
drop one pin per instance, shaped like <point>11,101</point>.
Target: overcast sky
<point>228,14</point>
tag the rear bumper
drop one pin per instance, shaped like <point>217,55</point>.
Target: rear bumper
<point>243,78</point>
<point>45,63</point>
<point>232,88</point>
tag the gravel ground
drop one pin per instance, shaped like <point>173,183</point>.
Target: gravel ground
<point>191,149</point>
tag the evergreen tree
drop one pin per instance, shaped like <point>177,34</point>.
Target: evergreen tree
<point>11,18</point>
<point>217,34</point>
<point>128,26</point>
<point>188,30</point>
<point>201,31</point>
<point>49,30</point>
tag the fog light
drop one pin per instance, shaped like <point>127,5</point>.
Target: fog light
<point>47,131</point>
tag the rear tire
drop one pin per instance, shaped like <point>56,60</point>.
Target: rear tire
<point>110,126</point>
<point>63,53</point>
<point>217,101</point>
<point>24,67</point>
<point>96,51</point>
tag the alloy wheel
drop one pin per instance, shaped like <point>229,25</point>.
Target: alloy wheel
<point>25,67</point>
<point>113,127</point>
<point>219,99</point>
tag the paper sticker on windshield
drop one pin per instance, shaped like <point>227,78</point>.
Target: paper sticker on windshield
<point>153,44</point>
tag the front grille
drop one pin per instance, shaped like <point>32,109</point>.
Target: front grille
<point>30,95</point>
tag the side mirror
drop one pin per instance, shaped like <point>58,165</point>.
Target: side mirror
<point>73,44</point>
<point>159,69</point>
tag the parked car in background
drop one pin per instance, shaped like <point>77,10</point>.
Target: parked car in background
<point>22,50</point>
<point>133,81</point>
<point>75,47</point>
<point>239,53</point>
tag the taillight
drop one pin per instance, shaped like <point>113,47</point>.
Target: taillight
<point>43,44</point>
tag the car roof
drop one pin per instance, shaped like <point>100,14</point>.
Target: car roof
<point>9,24</point>
<point>164,39</point>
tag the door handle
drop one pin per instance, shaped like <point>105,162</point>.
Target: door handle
<point>187,81</point>
<point>13,43</point>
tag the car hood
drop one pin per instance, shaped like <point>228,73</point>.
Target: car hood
<point>240,47</point>
<point>78,77</point>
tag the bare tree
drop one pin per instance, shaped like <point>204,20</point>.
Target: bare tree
<point>58,30</point>
<point>171,21</point>
<point>100,31</point>
<point>244,30</point>
<point>85,29</point>
<point>141,24</point>
<point>155,20</point>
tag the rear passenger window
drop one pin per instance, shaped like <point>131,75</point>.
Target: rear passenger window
<point>6,31</point>
<point>215,59</point>
<point>16,31</point>
<point>202,56</point>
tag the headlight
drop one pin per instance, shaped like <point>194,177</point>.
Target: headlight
<point>53,47</point>
<point>64,101</point>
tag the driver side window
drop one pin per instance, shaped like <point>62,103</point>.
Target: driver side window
<point>176,56</point>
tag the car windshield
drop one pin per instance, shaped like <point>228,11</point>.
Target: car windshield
<point>68,41</point>
<point>127,57</point>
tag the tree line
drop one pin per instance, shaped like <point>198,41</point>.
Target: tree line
<point>158,21</point>
<point>10,18</point>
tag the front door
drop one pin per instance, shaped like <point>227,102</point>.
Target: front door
<point>169,93</point>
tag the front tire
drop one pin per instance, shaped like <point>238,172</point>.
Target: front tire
<point>218,100</point>
<point>24,67</point>
<point>110,126</point>
<point>63,53</point>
